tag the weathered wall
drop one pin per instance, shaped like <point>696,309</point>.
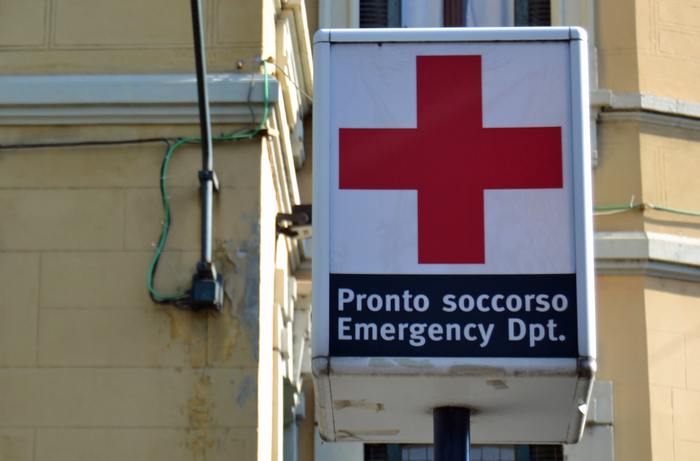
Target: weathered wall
<point>90,368</point>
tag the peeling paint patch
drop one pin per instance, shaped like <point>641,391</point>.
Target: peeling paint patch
<point>412,363</point>
<point>242,280</point>
<point>340,404</point>
<point>248,389</point>
<point>380,363</point>
<point>497,384</point>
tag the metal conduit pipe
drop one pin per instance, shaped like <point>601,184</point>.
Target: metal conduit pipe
<point>207,289</point>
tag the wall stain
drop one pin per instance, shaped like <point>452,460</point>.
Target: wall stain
<point>225,332</point>
<point>191,329</point>
<point>200,445</point>
<point>247,390</point>
<point>240,265</point>
<point>199,406</point>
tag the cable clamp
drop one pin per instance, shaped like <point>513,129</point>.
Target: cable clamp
<point>209,175</point>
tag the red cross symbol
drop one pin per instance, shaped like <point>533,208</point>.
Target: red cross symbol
<point>450,159</point>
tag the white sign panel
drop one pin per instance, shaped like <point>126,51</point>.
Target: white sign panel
<point>452,202</point>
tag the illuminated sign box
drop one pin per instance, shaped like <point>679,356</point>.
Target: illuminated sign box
<point>453,237</point>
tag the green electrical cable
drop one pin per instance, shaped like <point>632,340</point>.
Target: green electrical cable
<point>612,208</point>
<point>164,190</point>
<point>646,205</point>
<point>673,210</point>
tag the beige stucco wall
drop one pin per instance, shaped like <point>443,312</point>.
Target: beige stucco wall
<point>673,345</point>
<point>623,360</point>
<point>617,178</point>
<point>648,163</point>
<point>668,37</point>
<point>649,336</point>
<point>648,326</point>
<point>617,46</point>
<point>670,164</point>
<point>129,36</point>
<point>649,46</point>
<point>90,368</point>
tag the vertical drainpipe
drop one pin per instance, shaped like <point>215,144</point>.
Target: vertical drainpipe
<point>207,289</point>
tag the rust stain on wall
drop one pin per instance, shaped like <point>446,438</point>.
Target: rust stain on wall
<point>224,337</point>
<point>200,444</point>
<point>191,329</point>
<point>199,406</point>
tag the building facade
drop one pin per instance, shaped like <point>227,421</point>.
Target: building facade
<point>645,113</point>
<point>92,95</point>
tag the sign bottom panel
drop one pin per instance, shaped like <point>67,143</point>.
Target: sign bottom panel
<point>453,315</point>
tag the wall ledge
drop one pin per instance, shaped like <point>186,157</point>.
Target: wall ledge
<point>647,253</point>
<point>646,108</point>
<point>128,99</point>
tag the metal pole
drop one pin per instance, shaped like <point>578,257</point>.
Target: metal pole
<point>206,176</point>
<point>451,433</point>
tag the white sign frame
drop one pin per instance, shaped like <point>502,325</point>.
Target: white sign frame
<point>327,367</point>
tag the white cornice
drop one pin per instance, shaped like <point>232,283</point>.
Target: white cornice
<point>647,253</point>
<point>648,102</point>
<point>646,108</point>
<point>676,121</point>
<point>128,99</point>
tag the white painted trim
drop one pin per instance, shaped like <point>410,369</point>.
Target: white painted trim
<point>641,108</point>
<point>128,89</point>
<point>583,195</point>
<point>127,99</point>
<point>451,34</point>
<point>649,268</point>
<point>132,114</point>
<point>648,102</point>
<point>600,408</point>
<point>648,245</point>
<point>670,120</point>
<point>304,43</point>
<point>321,221</point>
<point>647,253</point>
<point>646,108</point>
<point>601,98</point>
